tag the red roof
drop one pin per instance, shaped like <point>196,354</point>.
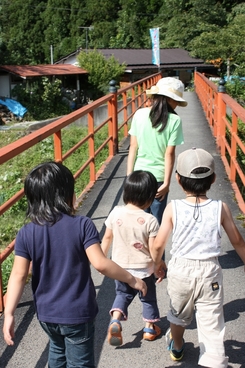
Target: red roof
<point>25,71</point>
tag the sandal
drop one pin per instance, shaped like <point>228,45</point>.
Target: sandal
<point>115,333</point>
<point>151,334</point>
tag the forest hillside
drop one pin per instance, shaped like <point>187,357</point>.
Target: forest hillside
<point>208,29</point>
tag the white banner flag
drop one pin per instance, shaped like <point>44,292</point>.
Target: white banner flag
<point>154,32</point>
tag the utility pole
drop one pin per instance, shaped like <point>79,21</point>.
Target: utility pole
<point>51,54</point>
<point>87,29</point>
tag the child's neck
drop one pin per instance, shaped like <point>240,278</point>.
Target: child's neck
<point>132,206</point>
<point>192,197</point>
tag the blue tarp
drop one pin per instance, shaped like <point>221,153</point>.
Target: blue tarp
<point>14,106</point>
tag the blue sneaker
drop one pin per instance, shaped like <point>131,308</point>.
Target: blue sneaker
<point>175,355</point>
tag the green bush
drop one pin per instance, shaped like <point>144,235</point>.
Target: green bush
<point>100,72</point>
<point>6,270</point>
<point>236,89</point>
<point>43,99</point>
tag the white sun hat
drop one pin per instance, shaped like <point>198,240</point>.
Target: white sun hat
<point>169,87</point>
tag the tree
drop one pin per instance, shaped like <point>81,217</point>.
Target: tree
<point>196,17</point>
<point>29,28</point>
<point>225,43</point>
<point>133,22</point>
<point>57,32</point>
<point>100,70</point>
<point>228,5</point>
<point>22,30</point>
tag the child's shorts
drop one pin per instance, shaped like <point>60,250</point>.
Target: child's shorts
<point>195,285</point>
<point>193,282</point>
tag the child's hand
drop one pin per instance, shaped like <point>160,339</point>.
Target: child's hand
<point>140,285</point>
<point>160,271</point>
<point>8,330</point>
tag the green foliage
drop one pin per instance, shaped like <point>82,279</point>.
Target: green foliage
<point>196,17</point>
<point>13,173</point>
<point>236,89</point>
<point>58,26</point>
<point>223,42</point>
<point>6,270</point>
<point>134,19</point>
<point>101,71</point>
<point>12,176</point>
<point>22,31</point>
<point>43,99</point>
<point>209,29</point>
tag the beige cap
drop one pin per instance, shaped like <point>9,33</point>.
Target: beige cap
<point>192,159</point>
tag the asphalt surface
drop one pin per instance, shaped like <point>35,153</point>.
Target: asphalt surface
<point>31,344</point>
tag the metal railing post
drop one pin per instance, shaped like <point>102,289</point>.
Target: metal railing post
<point>113,89</point>
<point>221,113</point>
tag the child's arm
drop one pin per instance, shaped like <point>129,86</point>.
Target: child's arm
<point>160,242</point>
<point>132,154</point>
<point>169,164</point>
<point>232,231</point>
<point>110,269</point>
<point>106,241</point>
<point>16,285</point>
<point>160,273</point>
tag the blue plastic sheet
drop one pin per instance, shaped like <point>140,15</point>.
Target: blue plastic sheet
<point>14,106</point>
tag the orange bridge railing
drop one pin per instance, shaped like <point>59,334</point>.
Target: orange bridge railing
<point>226,118</point>
<point>118,106</point>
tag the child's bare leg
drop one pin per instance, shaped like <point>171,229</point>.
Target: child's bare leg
<point>177,333</point>
<point>149,324</point>
<point>116,315</point>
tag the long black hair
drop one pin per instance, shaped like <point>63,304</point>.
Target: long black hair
<point>49,189</point>
<point>159,112</point>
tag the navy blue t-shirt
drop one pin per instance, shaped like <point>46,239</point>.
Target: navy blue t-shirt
<point>62,286</point>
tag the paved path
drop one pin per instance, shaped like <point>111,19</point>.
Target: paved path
<point>31,344</point>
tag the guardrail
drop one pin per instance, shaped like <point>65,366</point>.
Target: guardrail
<point>117,119</point>
<point>226,118</point>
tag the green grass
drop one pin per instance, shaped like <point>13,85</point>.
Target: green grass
<point>6,270</point>
<point>13,173</point>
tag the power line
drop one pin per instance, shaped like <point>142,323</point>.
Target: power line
<point>77,9</point>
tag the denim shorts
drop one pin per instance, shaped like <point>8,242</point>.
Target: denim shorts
<point>71,346</point>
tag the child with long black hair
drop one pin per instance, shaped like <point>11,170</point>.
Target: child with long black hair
<point>155,132</point>
<point>60,246</point>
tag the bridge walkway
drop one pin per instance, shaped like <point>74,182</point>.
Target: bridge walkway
<point>31,344</point>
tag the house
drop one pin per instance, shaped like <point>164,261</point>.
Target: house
<point>11,75</point>
<point>174,62</point>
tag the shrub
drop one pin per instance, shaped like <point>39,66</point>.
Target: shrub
<point>43,100</point>
<point>101,71</point>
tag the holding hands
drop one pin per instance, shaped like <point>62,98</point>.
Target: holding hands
<point>160,271</point>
